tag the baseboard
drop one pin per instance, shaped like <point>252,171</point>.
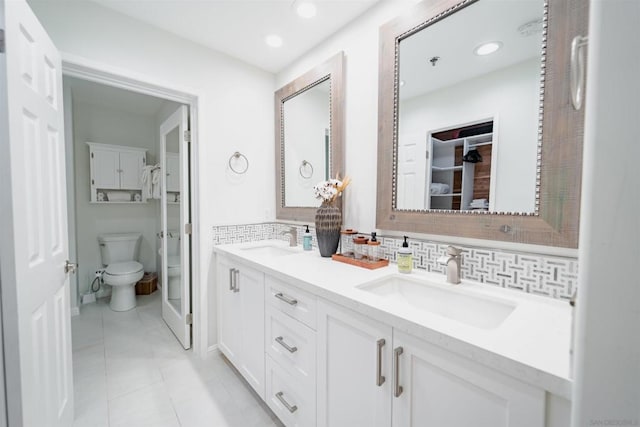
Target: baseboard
<point>213,349</point>
<point>75,311</point>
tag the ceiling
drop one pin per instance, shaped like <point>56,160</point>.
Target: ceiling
<point>239,27</point>
<point>455,38</point>
<point>83,91</point>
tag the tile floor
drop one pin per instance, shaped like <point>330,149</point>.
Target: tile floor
<point>129,370</point>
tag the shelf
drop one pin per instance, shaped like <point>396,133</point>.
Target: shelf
<point>480,144</point>
<point>446,169</point>
<point>117,203</point>
<point>447,195</point>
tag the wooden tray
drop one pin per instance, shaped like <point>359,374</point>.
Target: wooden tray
<point>364,263</point>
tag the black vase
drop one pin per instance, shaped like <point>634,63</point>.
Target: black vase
<point>328,224</point>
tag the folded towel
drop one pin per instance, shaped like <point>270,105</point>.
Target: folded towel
<point>155,181</point>
<point>439,188</point>
<point>146,183</point>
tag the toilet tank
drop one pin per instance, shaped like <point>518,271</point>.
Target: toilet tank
<point>119,247</point>
<point>173,243</point>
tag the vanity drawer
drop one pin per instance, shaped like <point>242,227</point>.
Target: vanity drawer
<point>293,402</point>
<point>296,303</point>
<point>291,344</point>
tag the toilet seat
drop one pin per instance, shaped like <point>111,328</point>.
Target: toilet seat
<point>122,268</point>
<point>173,261</point>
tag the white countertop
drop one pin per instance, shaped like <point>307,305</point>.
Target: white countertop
<point>532,344</point>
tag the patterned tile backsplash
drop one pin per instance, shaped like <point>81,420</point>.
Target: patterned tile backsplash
<point>545,275</point>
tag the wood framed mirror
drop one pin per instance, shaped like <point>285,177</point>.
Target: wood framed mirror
<point>476,145</point>
<point>309,137</point>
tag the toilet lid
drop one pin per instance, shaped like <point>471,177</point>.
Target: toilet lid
<point>120,268</point>
<point>173,261</point>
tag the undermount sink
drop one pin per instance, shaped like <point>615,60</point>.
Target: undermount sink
<point>483,312</point>
<point>271,250</point>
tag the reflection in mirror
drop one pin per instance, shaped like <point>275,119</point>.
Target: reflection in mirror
<point>306,119</point>
<point>468,110</point>
<point>173,200</point>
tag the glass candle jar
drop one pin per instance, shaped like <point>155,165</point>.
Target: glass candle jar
<point>360,247</point>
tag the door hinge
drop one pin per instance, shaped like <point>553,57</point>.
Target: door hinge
<point>92,155</point>
<point>187,135</point>
<point>189,319</point>
<point>427,153</point>
<point>188,229</point>
<point>93,182</point>
<point>2,48</point>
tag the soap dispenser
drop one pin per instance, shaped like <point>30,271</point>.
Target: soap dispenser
<point>405,258</point>
<point>306,239</point>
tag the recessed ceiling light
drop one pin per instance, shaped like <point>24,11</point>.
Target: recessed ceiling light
<point>273,40</point>
<point>487,48</point>
<point>306,9</point>
<point>402,83</point>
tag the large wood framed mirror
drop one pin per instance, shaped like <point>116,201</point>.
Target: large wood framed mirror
<point>309,133</point>
<point>477,134</point>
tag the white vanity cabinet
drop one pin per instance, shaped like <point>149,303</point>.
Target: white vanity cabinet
<point>115,167</point>
<point>438,388</point>
<point>241,320</point>
<point>354,369</point>
<point>367,372</point>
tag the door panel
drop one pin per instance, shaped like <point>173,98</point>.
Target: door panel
<point>131,165</point>
<point>176,280</point>
<point>105,165</point>
<point>36,196</point>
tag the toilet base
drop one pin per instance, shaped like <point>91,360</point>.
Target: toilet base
<point>123,298</point>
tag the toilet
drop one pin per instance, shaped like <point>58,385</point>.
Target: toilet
<point>119,253</point>
<point>174,269</point>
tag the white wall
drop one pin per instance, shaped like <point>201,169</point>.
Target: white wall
<point>511,96</point>
<point>235,109</point>
<point>306,117</point>
<point>109,126</point>
<point>607,369</point>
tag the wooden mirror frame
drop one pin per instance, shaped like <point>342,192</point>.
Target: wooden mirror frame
<point>333,70</point>
<point>559,171</point>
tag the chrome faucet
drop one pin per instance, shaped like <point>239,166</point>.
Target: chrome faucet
<point>453,261</point>
<point>293,236</point>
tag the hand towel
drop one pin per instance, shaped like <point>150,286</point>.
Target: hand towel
<point>146,183</point>
<point>155,181</point>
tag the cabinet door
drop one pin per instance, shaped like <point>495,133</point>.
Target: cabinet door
<point>131,164</point>
<point>347,381</point>
<point>443,389</point>
<point>173,172</point>
<point>229,320</point>
<point>250,287</point>
<point>105,166</point>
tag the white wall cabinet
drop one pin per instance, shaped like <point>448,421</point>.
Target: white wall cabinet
<point>354,369</point>
<point>115,167</point>
<point>241,321</point>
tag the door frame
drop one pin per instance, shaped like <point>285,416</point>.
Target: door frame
<point>82,68</point>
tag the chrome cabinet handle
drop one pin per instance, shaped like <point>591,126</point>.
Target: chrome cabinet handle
<point>236,285</point>
<point>231,278</point>
<point>280,396</point>
<point>577,70</point>
<point>290,349</point>
<point>380,379</point>
<point>287,299</point>
<point>397,388</point>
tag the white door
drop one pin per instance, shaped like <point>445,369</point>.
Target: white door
<point>354,354</point>
<point>412,166</point>
<point>131,164</point>
<point>442,389</point>
<point>173,172</point>
<point>105,167</point>
<point>176,302</point>
<point>35,286</point>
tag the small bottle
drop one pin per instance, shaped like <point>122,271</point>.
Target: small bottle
<point>306,239</point>
<point>405,258</point>
<point>374,248</point>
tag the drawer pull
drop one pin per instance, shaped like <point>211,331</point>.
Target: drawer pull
<point>379,377</point>
<point>397,388</point>
<point>231,278</point>
<point>286,404</point>
<point>236,281</point>
<point>287,299</point>
<point>290,349</point>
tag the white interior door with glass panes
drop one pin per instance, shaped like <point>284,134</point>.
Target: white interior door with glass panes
<point>176,241</point>
<point>33,220</point>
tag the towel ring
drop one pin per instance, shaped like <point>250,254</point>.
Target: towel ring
<point>303,166</point>
<point>238,155</point>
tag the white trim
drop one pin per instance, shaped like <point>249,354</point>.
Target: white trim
<point>82,68</point>
<point>75,311</point>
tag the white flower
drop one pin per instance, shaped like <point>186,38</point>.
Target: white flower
<point>327,190</point>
